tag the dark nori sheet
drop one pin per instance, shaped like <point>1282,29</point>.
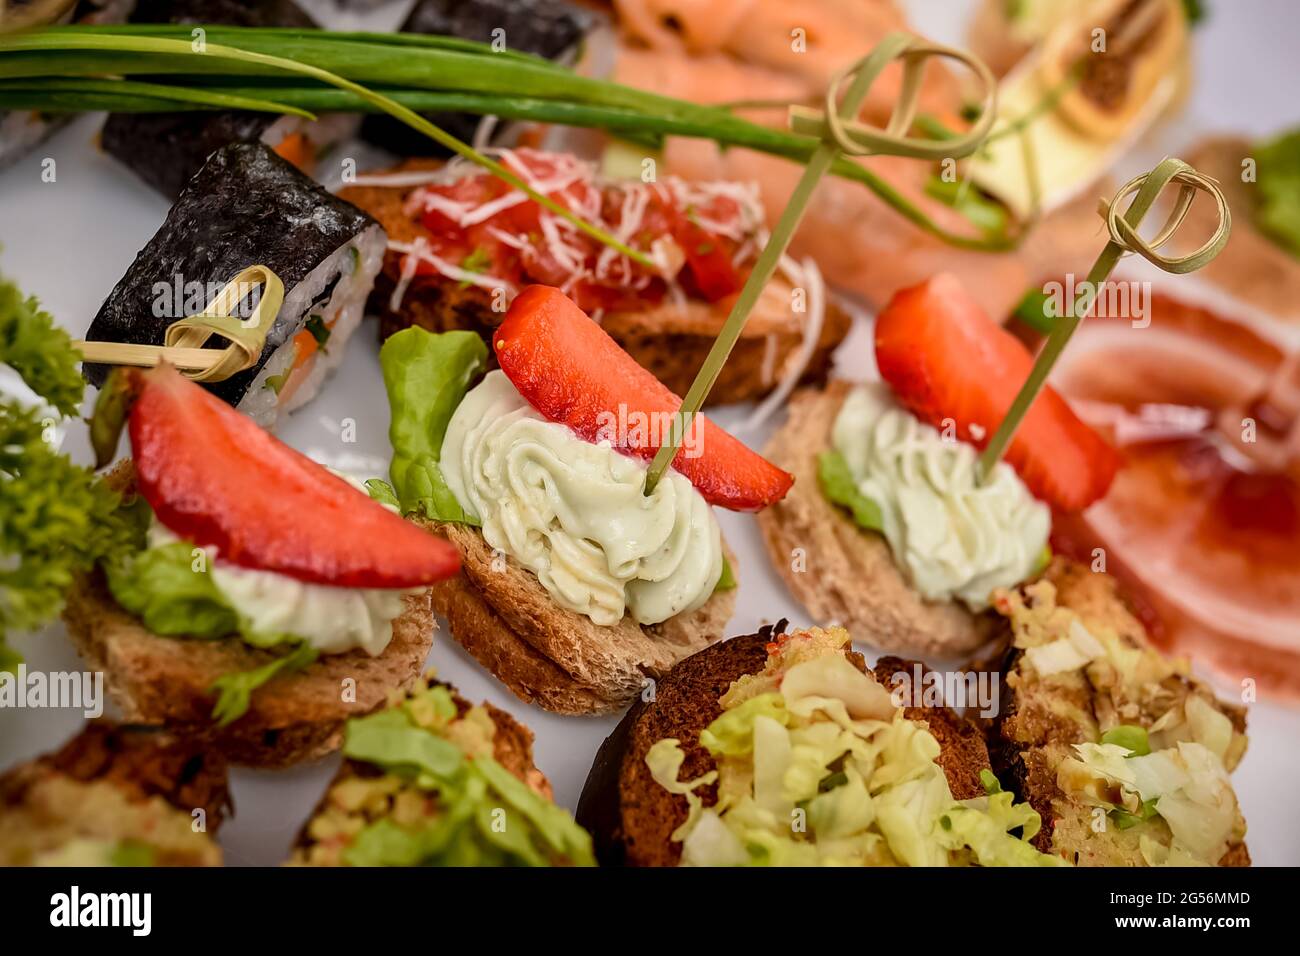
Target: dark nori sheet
<point>246,206</point>
<point>546,28</point>
<point>166,149</point>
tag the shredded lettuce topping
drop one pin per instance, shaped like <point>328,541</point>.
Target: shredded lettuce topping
<point>1164,767</point>
<point>815,766</point>
<point>442,798</point>
<point>426,376</point>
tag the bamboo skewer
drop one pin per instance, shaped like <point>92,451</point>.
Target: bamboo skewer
<point>185,338</point>
<point>838,134</point>
<point>1124,238</point>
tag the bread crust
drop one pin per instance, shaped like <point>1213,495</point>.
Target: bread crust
<point>293,718</point>
<point>548,655</point>
<point>143,763</point>
<point>631,818</point>
<point>848,576</point>
<point>1033,733</point>
<point>669,341</point>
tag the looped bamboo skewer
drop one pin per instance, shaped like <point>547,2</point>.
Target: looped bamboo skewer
<point>861,139</point>
<point>836,130</point>
<point>1124,238</point>
<point>184,340</point>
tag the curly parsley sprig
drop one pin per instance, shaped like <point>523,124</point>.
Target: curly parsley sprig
<point>56,518</point>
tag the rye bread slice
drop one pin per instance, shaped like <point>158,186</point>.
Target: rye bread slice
<point>841,573</point>
<point>1038,724</point>
<point>668,340</point>
<point>142,763</point>
<point>631,818</point>
<point>550,656</point>
<point>294,717</point>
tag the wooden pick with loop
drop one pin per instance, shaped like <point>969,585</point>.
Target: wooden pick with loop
<point>184,340</point>
<point>1122,225</point>
<point>839,133</point>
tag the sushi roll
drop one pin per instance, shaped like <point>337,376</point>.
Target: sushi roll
<point>23,130</point>
<point>247,206</point>
<point>166,149</point>
<point>552,29</point>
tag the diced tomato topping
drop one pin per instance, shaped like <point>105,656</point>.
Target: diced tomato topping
<point>559,255</point>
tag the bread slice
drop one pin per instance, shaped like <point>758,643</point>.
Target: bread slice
<point>553,657</point>
<point>669,340</point>
<point>294,717</point>
<point>113,784</point>
<point>1252,266</point>
<point>1041,719</point>
<point>319,843</point>
<point>631,818</point>
<point>841,573</point>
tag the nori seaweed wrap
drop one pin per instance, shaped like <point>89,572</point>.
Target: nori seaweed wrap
<point>245,207</point>
<point>166,149</point>
<point>552,29</point>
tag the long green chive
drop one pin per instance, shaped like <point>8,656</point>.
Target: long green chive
<point>147,45</point>
<point>1124,238</point>
<point>427,73</point>
<point>839,133</point>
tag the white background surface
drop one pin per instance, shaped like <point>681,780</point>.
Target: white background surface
<point>69,242</point>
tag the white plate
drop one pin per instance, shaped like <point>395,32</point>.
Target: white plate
<point>69,241</point>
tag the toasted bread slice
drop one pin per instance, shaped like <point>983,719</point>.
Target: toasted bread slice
<point>669,340</point>
<point>295,717</point>
<point>632,818</point>
<point>1043,717</point>
<point>325,834</point>
<point>115,789</point>
<point>553,657</point>
<point>1252,266</point>
<point>841,573</point>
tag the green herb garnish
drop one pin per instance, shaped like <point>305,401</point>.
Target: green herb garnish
<point>235,691</point>
<point>319,331</point>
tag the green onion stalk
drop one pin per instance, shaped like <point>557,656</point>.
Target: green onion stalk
<point>153,68</point>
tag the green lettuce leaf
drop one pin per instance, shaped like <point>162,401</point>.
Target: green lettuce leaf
<point>1129,736</point>
<point>487,817</point>
<point>426,376</point>
<point>727,580</point>
<point>1277,211</point>
<point>171,592</point>
<point>235,691</point>
<point>381,491</point>
<point>732,733</point>
<point>838,486</point>
<point>388,739</point>
<point>132,853</point>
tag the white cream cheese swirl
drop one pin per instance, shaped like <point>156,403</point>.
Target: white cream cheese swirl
<point>952,534</point>
<point>331,619</point>
<point>575,513</point>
